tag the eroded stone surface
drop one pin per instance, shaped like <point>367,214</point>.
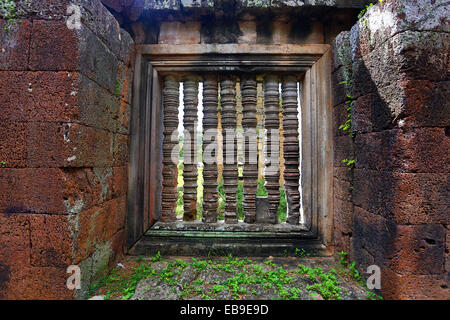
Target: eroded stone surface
<point>211,277</point>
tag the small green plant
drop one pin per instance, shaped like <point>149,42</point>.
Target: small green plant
<point>270,263</point>
<point>351,267</point>
<point>346,82</point>
<point>2,163</point>
<point>118,88</point>
<point>157,257</point>
<point>351,270</point>
<point>354,272</point>
<point>325,284</point>
<point>349,163</point>
<point>373,296</point>
<point>261,189</point>
<point>343,258</point>
<point>347,126</point>
<point>8,11</point>
<point>301,253</point>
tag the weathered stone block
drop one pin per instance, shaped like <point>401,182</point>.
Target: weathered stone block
<point>54,47</point>
<point>14,244</point>
<point>126,48</point>
<point>116,5</point>
<point>56,191</point>
<point>342,190</point>
<point>262,211</point>
<point>371,113</point>
<point>162,5</point>
<point>120,149</point>
<point>396,286</point>
<point>447,249</point>
<point>98,107</point>
<point>248,30</point>
<point>412,103</point>
<point>98,226</point>
<point>342,241</point>
<point>37,283</point>
<point>421,150</point>
<point>86,187</point>
<point>124,83</point>
<point>344,149</point>
<point>44,9</point>
<point>44,144</point>
<point>373,238</point>
<point>405,197</point>
<point>343,215</point>
<point>97,62</point>
<point>120,181</point>
<point>342,54</point>
<point>342,84</point>
<point>124,116</point>
<point>103,24</point>
<point>424,103</point>
<point>174,32</point>
<point>38,96</point>
<point>51,242</point>
<point>343,174</point>
<point>115,211</point>
<point>253,3</point>
<point>31,191</point>
<point>419,250</point>
<point>340,117</point>
<point>67,145</point>
<point>13,146</point>
<point>14,44</point>
<point>383,21</point>
<point>408,55</point>
<point>90,226</point>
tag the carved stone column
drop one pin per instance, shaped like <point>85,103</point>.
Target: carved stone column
<point>230,168</point>
<point>210,173</point>
<point>272,122</point>
<point>189,152</point>
<point>249,122</point>
<point>170,172</point>
<point>291,148</point>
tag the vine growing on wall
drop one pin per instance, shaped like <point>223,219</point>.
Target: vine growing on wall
<point>347,126</point>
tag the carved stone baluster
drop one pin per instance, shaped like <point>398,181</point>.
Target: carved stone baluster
<point>291,148</point>
<point>230,168</point>
<point>210,173</point>
<point>249,122</point>
<point>272,122</point>
<point>170,171</point>
<point>189,152</point>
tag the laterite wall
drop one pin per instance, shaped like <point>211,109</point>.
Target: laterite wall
<point>64,130</point>
<point>65,104</point>
<point>391,209</point>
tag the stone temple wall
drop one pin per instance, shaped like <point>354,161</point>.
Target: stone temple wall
<point>391,209</point>
<point>64,129</point>
<point>65,103</point>
<point>235,21</point>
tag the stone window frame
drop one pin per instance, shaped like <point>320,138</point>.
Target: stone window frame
<point>153,61</point>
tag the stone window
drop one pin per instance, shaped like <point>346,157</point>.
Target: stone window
<point>237,92</point>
